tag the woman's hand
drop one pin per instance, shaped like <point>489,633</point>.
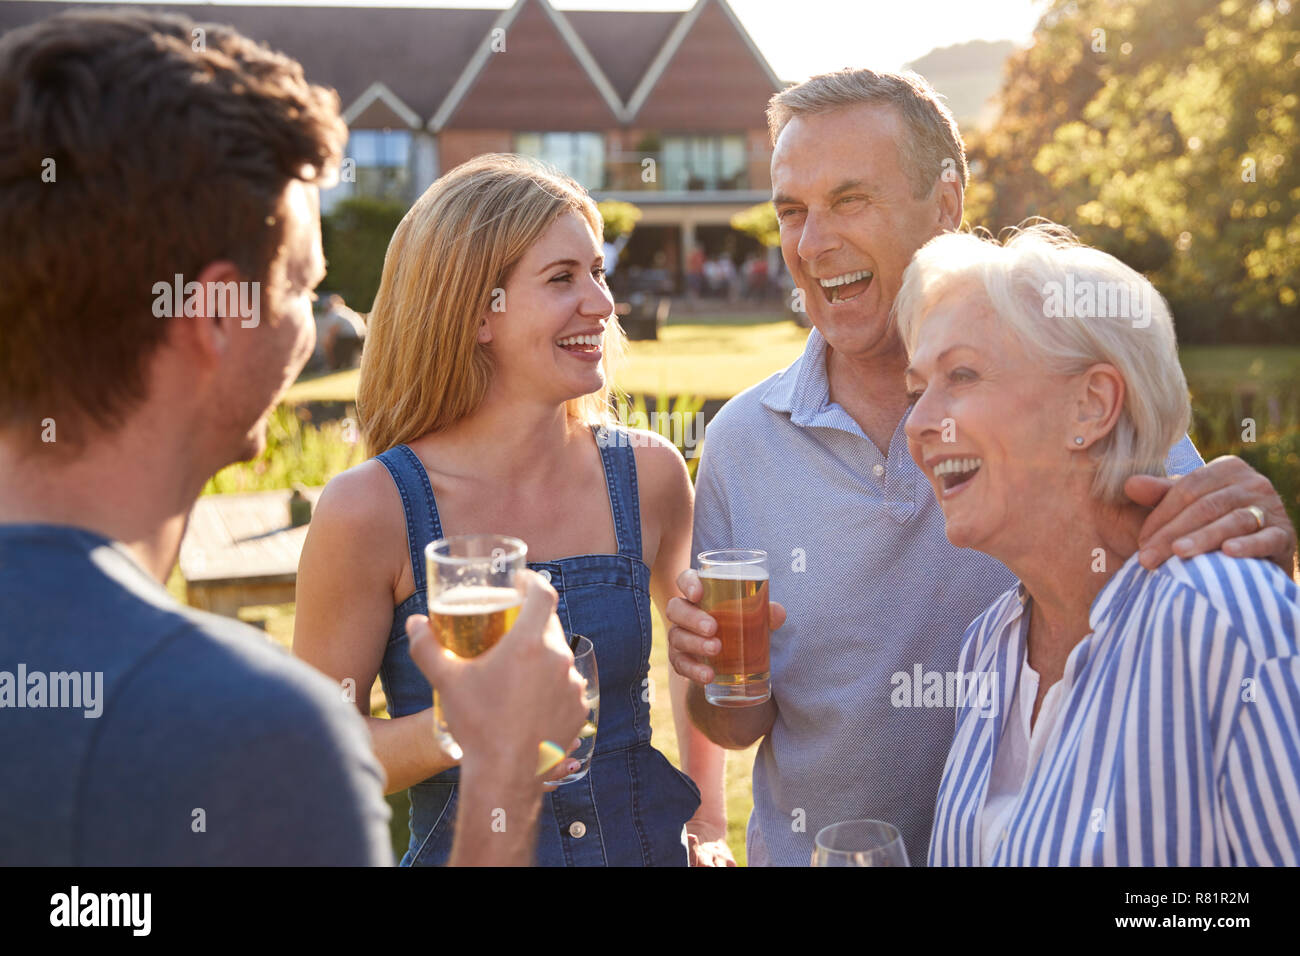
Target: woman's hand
<point>706,842</point>
<point>562,769</point>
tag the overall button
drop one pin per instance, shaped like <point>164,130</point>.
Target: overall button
<point>878,469</point>
<point>577,829</point>
<point>544,575</point>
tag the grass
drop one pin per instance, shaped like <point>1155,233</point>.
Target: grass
<point>1237,366</point>
<point>296,452</point>
<point>711,356</point>
<point>718,356</point>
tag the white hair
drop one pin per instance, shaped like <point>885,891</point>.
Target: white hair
<point>1072,307</point>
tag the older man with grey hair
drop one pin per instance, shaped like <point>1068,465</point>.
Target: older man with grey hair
<point>866,168</point>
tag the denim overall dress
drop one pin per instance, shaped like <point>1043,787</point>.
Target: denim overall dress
<point>630,808</point>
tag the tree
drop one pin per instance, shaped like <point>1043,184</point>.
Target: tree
<point>620,218</point>
<point>355,236</point>
<point>760,223</point>
<point>1161,131</point>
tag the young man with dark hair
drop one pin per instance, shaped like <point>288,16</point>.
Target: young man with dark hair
<point>159,198</point>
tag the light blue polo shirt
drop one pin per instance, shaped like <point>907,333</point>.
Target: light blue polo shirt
<point>878,603</point>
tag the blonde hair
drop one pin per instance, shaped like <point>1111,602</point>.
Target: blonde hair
<point>423,368</point>
<point>1030,282</point>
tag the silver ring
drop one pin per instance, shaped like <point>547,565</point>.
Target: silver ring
<point>1258,514</point>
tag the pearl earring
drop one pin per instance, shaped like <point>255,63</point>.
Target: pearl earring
<point>1078,439</point>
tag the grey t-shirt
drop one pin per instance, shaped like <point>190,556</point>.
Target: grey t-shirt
<point>134,730</point>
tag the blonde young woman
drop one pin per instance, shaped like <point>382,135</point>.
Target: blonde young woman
<point>484,395</point>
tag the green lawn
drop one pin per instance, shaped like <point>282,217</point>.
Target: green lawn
<point>1233,366</point>
<point>718,356</point>
<point>712,356</point>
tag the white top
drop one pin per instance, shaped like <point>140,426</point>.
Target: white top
<point>1017,755</point>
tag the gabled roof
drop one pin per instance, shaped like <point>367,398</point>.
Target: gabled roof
<point>379,105</point>
<point>624,42</point>
<point>416,53</point>
<point>568,91</point>
<point>710,48</point>
<point>602,67</point>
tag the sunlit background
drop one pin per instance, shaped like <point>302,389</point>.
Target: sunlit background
<point>1163,131</point>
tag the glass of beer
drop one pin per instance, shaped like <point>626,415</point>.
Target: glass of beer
<point>736,595</point>
<point>472,601</point>
<point>859,843</point>
<point>584,662</point>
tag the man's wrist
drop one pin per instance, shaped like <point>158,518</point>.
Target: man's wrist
<point>497,816</point>
<point>514,774</point>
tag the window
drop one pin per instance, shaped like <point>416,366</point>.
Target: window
<point>693,163</point>
<point>382,162</point>
<point>580,155</point>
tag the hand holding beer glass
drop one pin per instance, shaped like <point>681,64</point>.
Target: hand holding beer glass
<point>736,597</point>
<point>473,603</point>
<point>694,643</point>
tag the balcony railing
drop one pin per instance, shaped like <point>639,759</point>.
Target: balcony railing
<point>650,172</point>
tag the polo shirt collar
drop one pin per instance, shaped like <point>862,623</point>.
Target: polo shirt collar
<point>803,390</point>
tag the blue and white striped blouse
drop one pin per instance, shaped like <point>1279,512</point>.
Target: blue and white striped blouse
<point>1178,736</point>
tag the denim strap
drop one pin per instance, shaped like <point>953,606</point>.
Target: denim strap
<point>422,523</point>
<point>619,458</point>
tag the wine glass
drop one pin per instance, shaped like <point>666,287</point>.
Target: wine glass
<point>859,843</point>
<point>584,661</point>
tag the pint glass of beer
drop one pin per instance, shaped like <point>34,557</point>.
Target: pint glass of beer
<point>472,600</point>
<point>735,595</point>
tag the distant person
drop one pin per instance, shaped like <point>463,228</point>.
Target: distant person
<point>497,420</point>
<point>616,279</point>
<point>150,733</point>
<point>612,251</point>
<point>756,278</point>
<point>340,334</point>
<point>695,265</point>
<point>713,279</point>
<point>728,277</point>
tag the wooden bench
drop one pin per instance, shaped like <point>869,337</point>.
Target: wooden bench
<point>241,549</point>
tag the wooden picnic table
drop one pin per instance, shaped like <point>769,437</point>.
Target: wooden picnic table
<point>240,549</point>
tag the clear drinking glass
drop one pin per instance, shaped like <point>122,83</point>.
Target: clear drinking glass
<point>472,601</point>
<point>859,843</point>
<point>736,596</point>
<point>584,660</point>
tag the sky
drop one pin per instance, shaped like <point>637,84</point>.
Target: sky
<point>803,37</point>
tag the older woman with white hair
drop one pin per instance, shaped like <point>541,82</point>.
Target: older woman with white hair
<point>1138,717</point>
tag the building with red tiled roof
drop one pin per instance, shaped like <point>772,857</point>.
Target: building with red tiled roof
<point>662,109</point>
